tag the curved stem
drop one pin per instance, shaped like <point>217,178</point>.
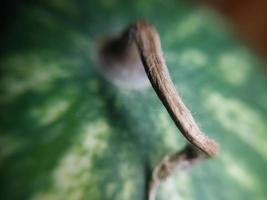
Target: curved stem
<point>144,39</point>
<point>148,44</point>
<point>149,48</point>
<point>183,160</point>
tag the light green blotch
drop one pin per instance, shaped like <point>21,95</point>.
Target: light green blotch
<point>170,132</point>
<point>193,58</point>
<point>111,189</point>
<point>128,172</point>
<point>74,172</point>
<point>239,173</point>
<point>25,72</point>
<point>234,67</point>
<point>240,119</point>
<point>178,186</point>
<point>192,23</point>
<point>95,135</point>
<point>189,57</point>
<point>128,186</point>
<point>69,178</point>
<point>51,111</point>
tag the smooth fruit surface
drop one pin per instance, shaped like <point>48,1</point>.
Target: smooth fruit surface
<point>67,133</point>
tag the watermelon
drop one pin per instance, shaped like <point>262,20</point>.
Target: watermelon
<point>68,133</point>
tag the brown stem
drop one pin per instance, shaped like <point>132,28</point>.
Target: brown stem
<point>148,43</point>
<point>145,39</point>
<point>149,47</point>
<point>183,159</point>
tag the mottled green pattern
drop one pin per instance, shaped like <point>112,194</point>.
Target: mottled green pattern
<point>68,134</point>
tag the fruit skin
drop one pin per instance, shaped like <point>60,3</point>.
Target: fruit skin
<point>67,133</point>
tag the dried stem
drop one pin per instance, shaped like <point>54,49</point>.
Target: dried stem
<point>147,41</point>
<point>183,160</point>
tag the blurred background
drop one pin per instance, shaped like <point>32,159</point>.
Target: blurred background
<point>67,133</point>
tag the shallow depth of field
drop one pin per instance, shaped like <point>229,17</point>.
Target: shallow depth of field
<point>67,133</point>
